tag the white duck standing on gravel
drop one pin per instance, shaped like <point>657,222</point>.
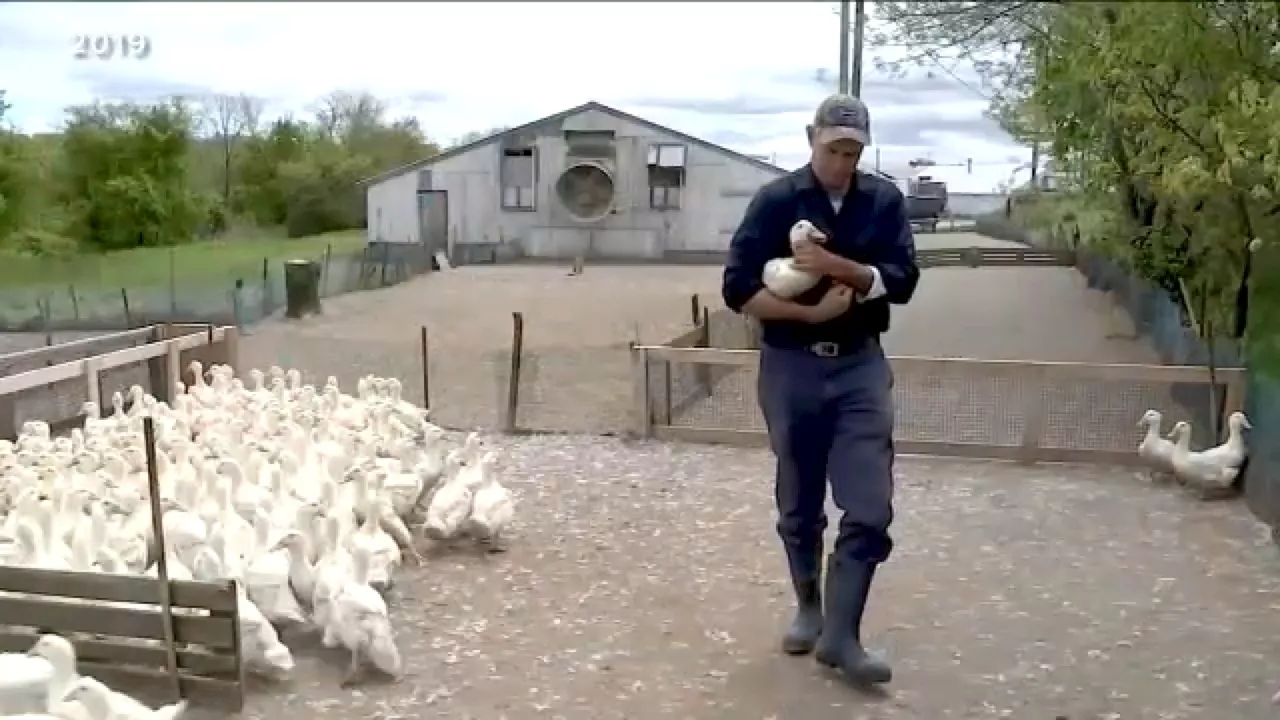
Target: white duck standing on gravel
<point>1155,450</point>
<point>1233,452</point>
<point>451,505</point>
<point>492,506</point>
<point>361,622</point>
<point>781,275</point>
<point>1209,470</point>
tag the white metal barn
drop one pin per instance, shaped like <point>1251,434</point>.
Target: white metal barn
<point>591,181</point>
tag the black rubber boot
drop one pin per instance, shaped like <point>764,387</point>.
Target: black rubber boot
<point>805,628</point>
<point>840,646</point>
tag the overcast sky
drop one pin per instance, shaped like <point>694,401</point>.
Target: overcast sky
<point>744,75</point>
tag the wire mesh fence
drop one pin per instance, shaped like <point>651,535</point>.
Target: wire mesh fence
<point>1158,316</point>
<point>955,402</point>
<point>463,370</point>
<point>184,292</point>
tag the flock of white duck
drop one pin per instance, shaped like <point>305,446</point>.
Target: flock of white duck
<point>1214,469</point>
<point>304,497</point>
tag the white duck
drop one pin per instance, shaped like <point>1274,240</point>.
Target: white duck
<point>1197,469</point>
<point>361,623</point>
<point>451,504</point>
<point>266,577</point>
<point>61,655</point>
<point>1232,452</point>
<point>781,276</point>
<point>1155,450</point>
<point>103,703</point>
<point>492,506</point>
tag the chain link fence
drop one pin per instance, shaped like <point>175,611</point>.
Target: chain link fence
<point>241,295</point>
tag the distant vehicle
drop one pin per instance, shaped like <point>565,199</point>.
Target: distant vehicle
<point>926,201</point>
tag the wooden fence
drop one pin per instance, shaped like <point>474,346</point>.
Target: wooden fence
<point>1027,395</point>
<point>165,349</point>
<point>122,635</point>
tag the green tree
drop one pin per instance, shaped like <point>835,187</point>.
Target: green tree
<point>1166,118</point>
<point>124,177</point>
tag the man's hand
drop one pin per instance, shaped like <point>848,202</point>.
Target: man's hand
<point>811,257</point>
<point>832,305</point>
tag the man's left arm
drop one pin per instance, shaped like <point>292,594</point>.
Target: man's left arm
<point>892,272</point>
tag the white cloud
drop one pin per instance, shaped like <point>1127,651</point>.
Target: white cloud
<point>742,74</point>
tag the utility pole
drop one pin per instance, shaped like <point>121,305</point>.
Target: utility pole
<point>844,46</point>
<point>859,29</point>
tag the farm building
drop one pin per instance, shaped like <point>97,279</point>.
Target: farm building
<point>590,181</point>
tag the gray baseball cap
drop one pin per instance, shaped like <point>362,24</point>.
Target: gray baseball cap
<point>842,117</point>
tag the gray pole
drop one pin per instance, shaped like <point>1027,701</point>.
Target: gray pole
<point>844,46</point>
<point>859,28</point>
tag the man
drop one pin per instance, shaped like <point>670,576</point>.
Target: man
<point>825,386</point>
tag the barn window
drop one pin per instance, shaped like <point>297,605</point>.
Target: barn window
<point>519,174</point>
<point>666,176</point>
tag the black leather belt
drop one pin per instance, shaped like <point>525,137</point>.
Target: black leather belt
<point>831,349</point>
<point>834,349</point>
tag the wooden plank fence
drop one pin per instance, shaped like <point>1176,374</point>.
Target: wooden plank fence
<point>117,625</point>
<point>166,349</point>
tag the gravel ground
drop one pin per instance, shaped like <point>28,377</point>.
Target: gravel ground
<point>645,581</point>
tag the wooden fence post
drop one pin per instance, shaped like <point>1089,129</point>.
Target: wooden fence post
<point>695,309</point>
<point>162,565</point>
<point>641,395</point>
<point>513,377</point>
<point>157,367</point>
<point>702,372</point>
<point>265,308</point>
<point>426,371</point>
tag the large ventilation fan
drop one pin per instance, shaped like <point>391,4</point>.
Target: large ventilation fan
<point>586,191</point>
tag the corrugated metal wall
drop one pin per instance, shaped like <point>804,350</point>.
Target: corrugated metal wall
<point>716,192</point>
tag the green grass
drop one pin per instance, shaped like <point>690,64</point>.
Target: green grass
<point>208,262</point>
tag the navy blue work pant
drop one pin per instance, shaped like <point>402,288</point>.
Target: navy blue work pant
<point>830,417</point>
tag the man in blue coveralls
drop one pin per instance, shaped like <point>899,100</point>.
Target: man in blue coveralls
<point>825,386</point>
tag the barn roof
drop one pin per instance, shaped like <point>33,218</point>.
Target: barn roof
<point>592,105</point>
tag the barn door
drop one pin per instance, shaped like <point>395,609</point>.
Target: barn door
<point>433,220</point>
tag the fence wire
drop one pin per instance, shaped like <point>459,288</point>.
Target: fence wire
<point>587,389</point>
<point>239,296</point>
<point>1158,317</point>
<point>955,407</point>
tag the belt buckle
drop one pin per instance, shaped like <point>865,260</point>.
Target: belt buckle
<point>825,349</point>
